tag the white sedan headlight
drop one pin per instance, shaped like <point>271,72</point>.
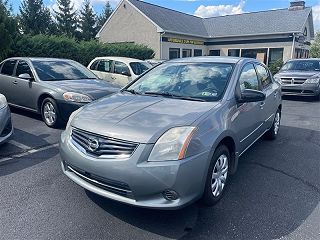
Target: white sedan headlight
<point>172,145</point>
<point>3,101</point>
<point>76,97</point>
<point>313,80</point>
<point>277,79</point>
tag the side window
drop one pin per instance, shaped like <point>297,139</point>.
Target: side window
<point>23,68</point>
<point>8,67</point>
<point>121,68</point>
<point>94,65</point>
<point>104,66</point>
<point>248,78</point>
<point>263,75</point>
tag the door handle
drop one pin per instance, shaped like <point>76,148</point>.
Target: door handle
<point>262,105</point>
<point>15,82</point>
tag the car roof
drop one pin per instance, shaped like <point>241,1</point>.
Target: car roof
<point>212,59</point>
<point>39,59</point>
<point>123,59</point>
<point>304,59</point>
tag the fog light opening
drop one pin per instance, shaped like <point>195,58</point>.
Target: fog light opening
<point>170,195</point>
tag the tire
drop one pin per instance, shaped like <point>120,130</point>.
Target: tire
<point>214,187</point>
<point>50,113</point>
<point>273,132</point>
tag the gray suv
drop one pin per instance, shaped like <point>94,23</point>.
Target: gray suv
<point>175,134</point>
<point>300,77</point>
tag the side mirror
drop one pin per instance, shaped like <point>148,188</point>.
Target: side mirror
<point>25,76</point>
<point>250,95</point>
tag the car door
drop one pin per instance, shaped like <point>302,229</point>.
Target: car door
<point>122,74</point>
<point>25,90</point>
<point>249,120</point>
<point>271,89</point>
<point>102,69</point>
<point>7,80</point>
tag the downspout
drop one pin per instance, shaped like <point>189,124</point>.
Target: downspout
<point>161,34</point>
<point>293,43</point>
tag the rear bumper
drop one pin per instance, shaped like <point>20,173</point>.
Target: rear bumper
<point>301,89</point>
<point>6,128</point>
<point>134,180</point>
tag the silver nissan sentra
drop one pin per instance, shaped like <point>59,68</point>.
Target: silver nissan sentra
<point>175,134</point>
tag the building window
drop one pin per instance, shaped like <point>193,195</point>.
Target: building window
<point>197,52</point>
<point>174,53</point>
<point>214,53</point>
<point>259,54</point>
<point>234,52</point>
<point>275,54</point>
<point>186,53</point>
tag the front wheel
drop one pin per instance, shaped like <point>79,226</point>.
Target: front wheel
<point>217,177</point>
<point>273,132</point>
<point>50,113</point>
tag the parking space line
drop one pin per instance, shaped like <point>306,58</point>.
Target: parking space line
<point>29,152</point>
<point>19,145</point>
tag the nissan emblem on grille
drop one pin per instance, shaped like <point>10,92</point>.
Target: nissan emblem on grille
<point>93,144</point>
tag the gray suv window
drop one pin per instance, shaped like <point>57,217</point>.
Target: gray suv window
<point>264,75</point>
<point>248,78</point>
<point>8,67</point>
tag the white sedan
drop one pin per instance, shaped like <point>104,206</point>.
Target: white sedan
<point>118,70</point>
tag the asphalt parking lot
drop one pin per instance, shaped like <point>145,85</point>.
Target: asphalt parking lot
<point>274,195</point>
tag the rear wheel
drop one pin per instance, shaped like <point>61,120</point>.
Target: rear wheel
<point>217,177</point>
<point>50,113</point>
<point>273,132</point>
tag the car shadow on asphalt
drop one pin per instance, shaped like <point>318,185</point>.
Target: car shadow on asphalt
<point>274,191</point>
<point>299,98</point>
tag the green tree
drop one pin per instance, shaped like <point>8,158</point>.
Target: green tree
<point>66,18</point>
<point>87,22</point>
<point>8,29</point>
<point>315,46</point>
<point>103,17</point>
<point>34,17</point>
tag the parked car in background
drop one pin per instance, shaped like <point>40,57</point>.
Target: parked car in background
<point>300,77</point>
<point>155,62</point>
<point>118,70</point>
<point>175,134</point>
<point>52,87</point>
<point>6,128</point>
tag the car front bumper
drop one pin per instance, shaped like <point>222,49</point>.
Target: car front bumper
<point>301,89</point>
<point>66,108</point>
<point>134,180</point>
<point>6,128</point>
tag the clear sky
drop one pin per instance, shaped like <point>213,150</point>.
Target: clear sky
<point>205,8</point>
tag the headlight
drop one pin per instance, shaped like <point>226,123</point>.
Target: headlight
<point>172,145</point>
<point>312,80</point>
<point>3,101</point>
<point>76,97</point>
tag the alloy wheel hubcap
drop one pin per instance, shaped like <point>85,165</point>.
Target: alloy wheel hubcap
<point>219,175</point>
<point>277,123</point>
<point>49,113</point>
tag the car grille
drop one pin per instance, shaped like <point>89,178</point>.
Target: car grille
<point>293,80</point>
<point>116,187</point>
<point>101,146</point>
<point>7,129</point>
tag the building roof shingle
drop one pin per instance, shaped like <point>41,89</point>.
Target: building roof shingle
<point>256,23</point>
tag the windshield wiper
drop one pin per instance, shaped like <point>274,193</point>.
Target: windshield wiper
<point>167,94</point>
<point>131,91</point>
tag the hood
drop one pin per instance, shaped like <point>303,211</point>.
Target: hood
<point>92,87</point>
<point>138,118</point>
<point>297,74</point>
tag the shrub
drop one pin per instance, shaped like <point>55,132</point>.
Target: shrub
<point>83,52</point>
<point>275,66</point>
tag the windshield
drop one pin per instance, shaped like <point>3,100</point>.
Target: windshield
<point>305,65</point>
<point>55,70</point>
<point>139,67</point>
<point>203,81</point>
